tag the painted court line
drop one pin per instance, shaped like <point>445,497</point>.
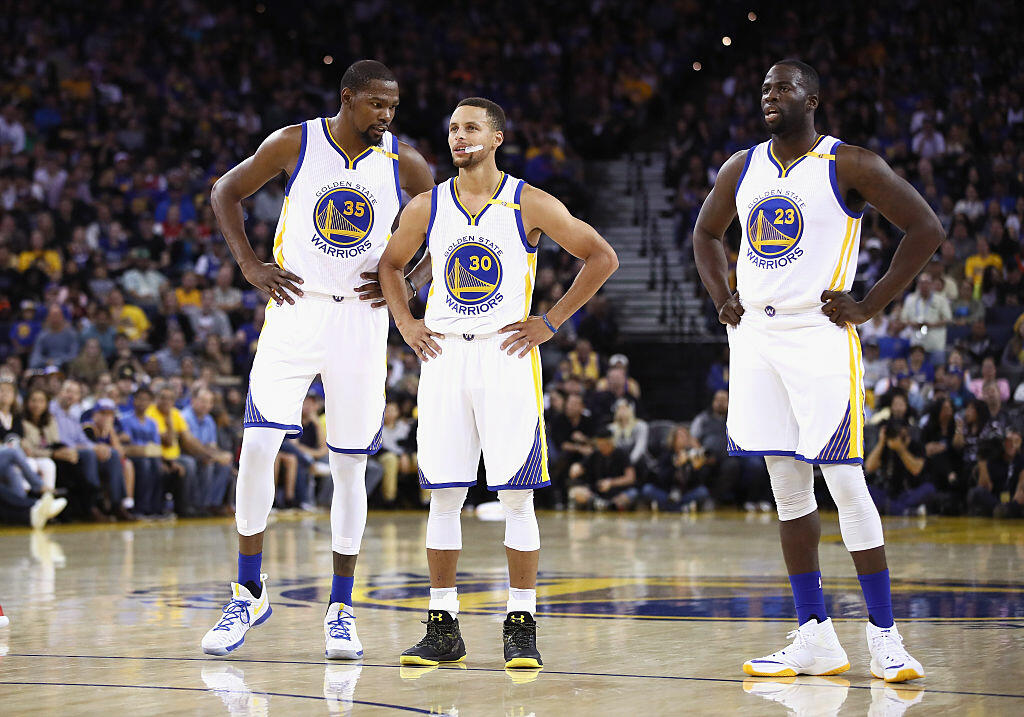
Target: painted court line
<point>730,680</point>
<point>402,708</point>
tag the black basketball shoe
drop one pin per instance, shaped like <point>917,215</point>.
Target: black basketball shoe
<point>520,635</point>
<point>442,643</point>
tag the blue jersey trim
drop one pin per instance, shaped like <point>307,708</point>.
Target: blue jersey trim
<point>302,154</point>
<point>501,185</point>
<point>519,219</point>
<point>433,214</point>
<point>398,182</point>
<point>458,204</point>
<point>293,430</point>
<point>355,451</point>
<point>746,165</point>
<point>424,483</point>
<point>371,449</point>
<point>496,488</point>
<point>794,454</point>
<point>834,179</point>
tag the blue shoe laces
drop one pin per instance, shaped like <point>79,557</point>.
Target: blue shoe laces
<point>235,610</point>
<point>338,627</point>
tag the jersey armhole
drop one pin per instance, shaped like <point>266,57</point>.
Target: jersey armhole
<point>519,219</point>
<point>298,164</point>
<point>746,165</point>
<point>398,182</point>
<point>834,180</point>
<point>433,214</point>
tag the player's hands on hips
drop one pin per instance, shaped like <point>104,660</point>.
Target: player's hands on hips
<point>420,339</point>
<point>842,309</point>
<point>525,335</point>
<point>371,291</point>
<point>731,310</point>
<point>274,280</point>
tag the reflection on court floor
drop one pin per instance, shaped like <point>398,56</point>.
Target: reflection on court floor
<point>637,613</point>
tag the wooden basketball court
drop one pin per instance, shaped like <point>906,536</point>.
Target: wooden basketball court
<point>639,614</point>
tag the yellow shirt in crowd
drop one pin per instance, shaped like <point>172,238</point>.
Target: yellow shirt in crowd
<point>180,426</point>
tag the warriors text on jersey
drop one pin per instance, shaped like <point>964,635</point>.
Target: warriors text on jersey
<point>799,237</point>
<point>338,211</point>
<point>483,266</point>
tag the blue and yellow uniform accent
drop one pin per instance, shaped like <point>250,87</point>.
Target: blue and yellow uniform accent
<point>343,216</point>
<point>472,273</point>
<point>774,227</point>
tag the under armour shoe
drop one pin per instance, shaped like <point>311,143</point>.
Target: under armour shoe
<point>4,620</point>
<point>818,696</point>
<point>442,643</point>
<point>889,701</point>
<point>340,687</point>
<point>241,612</point>
<point>519,632</point>
<point>815,650</point>
<point>228,683</point>
<point>340,633</point>
<point>890,661</point>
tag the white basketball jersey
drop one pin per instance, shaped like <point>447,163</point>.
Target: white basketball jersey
<point>338,211</point>
<point>799,237</point>
<point>483,266</point>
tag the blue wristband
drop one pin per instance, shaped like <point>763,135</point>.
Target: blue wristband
<point>548,324</point>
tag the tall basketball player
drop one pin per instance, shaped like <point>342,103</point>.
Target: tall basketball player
<point>480,386</point>
<point>345,179</point>
<point>796,393</point>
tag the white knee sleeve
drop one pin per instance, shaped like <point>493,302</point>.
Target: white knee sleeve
<point>254,490</point>
<point>792,485</point>
<point>858,517</point>
<point>521,531</point>
<point>348,507</point>
<point>444,527</point>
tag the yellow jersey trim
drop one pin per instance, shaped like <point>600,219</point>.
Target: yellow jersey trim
<point>474,219</point>
<point>350,162</point>
<point>784,169</point>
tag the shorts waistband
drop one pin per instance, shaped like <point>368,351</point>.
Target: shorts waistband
<point>334,298</point>
<point>769,310</point>
<point>475,337</point>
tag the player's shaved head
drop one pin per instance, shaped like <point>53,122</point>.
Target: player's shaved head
<point>361,74</point>
<point>808,75</point>
<point>495,115</point>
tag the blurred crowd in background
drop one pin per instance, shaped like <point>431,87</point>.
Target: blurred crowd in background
<point>128,331</point>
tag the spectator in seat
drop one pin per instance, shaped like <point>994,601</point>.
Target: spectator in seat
<point>57,343</point>
<point>213,466</point>
<point>899,485</point>
<point>101,430</point>
<point>141,441</point>
<point>678,482</point>
<point>605,478</point>
<point>998,475</point>
<point>629,433</point>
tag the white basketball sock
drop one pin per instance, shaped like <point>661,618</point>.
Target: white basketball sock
<point>520,600</point>
<point>445,599</point>
<point>348,506</point>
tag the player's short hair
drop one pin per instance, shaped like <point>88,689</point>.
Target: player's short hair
<point>808,75</point>
<point>360,74</point>
<point>495,115</point>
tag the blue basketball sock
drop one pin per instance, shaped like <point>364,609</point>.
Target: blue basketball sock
<point>341,590</point>
<point>249,569</point>
<point>808,596</point>
<point>876,594</point>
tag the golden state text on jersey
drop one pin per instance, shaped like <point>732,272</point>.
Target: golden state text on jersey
<point>483,266</point>
<point>799,237</point>
<point>338,211</point>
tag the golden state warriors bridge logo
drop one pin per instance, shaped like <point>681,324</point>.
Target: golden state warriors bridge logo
<point>774,228</point>
<point>472,274</point>
<point>343,217</point>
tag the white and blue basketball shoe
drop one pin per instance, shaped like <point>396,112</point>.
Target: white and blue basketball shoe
<point>241,613</point>
<point>340,633</point>
<point>815,650</point>
<point>890,661</point>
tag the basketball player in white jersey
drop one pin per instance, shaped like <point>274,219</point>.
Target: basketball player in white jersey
<point>345,179</point>
<point>795,393</point>
<point>480,386</point>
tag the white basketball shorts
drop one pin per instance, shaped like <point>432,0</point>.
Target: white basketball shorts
<point>795,387</point>
<point>343,341</point>
<point>475,396</point>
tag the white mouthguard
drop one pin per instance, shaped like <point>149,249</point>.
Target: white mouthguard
<point>473,148</point>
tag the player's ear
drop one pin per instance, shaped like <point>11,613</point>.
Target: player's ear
<point>812,102</point>
<point>499,137</point>
<point>346,97</point>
